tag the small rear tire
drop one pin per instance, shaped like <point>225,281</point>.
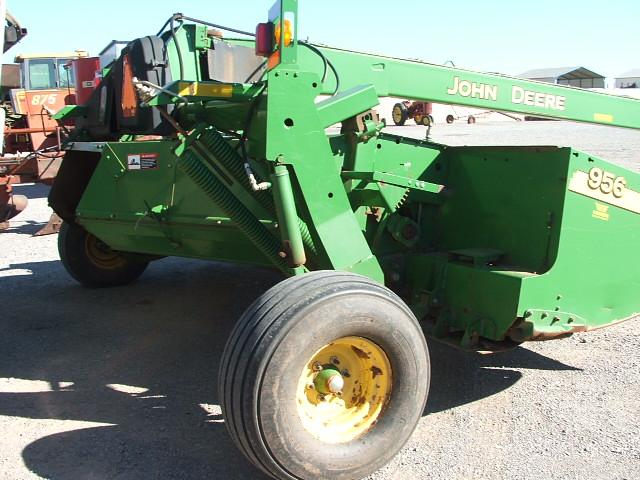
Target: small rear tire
<point>450,119</point>
<point>400,114</point>
<point>92,263</point>
<point>427,121</point>
<point>324,376</point>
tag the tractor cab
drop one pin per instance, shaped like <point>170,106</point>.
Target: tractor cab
<point>38,72</point>
<point>34,87</point>
<point>39,80</point>
<point>45,72</point>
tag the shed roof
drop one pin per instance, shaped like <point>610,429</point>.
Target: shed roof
<point>630,74</point>
<point>568,73</point>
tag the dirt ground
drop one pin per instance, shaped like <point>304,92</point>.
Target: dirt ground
<point>121,383</point>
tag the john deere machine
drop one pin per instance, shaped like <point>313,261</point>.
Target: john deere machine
<point>268,151</point>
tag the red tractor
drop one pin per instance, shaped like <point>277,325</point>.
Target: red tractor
<point>420,112</point>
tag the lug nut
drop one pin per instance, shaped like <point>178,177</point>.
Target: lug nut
<point>335,360</point>
<point>345,373</point>
<point>317,366</point>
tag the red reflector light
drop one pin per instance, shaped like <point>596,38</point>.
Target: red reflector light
<point>264,39</point>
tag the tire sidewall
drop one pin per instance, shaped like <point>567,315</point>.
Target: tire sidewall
<point>366,314</point>
<point>404,115</point>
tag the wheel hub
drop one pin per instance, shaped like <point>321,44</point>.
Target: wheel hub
<point>101,255</point>
<point>343,389</point>
<point>329,381</point>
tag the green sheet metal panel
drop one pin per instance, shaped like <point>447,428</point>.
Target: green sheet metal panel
<point>504,198</point>
<point>156,209</point>
<point>595,277</point>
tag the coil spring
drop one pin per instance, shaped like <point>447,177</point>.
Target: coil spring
<point>246,222</point>
<point>229,158</point>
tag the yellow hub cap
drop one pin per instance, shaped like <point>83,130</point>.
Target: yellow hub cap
<point>101,255</point>
<point>362,370</point>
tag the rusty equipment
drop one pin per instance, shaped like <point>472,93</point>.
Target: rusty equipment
<point>34,88</point>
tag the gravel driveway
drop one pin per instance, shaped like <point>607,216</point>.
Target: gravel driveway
<point>121,383</point>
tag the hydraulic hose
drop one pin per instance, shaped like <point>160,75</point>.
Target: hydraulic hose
<point>176,44</point>
<point>326,62</point>
<point>180,16</point>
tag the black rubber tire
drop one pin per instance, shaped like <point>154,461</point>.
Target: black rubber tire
<point>77,261</point>
<point>268,348</point>
<point>427,121</point>
<point>450,119</point>
<point>400,114</point>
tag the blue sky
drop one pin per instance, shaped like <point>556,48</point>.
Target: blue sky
<point>488,35</point>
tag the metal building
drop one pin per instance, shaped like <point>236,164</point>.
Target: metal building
<point>630,79</point>
<point>573,76</point>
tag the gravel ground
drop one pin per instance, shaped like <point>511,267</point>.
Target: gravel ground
<point>120,383</point>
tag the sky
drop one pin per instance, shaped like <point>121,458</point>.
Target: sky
<point>509,37</point>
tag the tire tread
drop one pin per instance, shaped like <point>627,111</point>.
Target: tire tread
<point>245,350</point>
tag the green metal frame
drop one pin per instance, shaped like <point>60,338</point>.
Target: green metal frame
<point>485,244</point>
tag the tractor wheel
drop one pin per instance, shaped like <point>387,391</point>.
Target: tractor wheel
<point>427,121</point>
<point>92,263</point>
<point>324,376</point>
<point>400,114</point>
<point>450,119</point>
<point>418,119</point>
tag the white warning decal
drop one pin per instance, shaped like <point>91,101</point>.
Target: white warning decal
<point>133,162</point>
<point>142,161</point>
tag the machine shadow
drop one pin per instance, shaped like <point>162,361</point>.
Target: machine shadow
<point>136,368</point>
<point>459,377</point>
<point>28,227</point>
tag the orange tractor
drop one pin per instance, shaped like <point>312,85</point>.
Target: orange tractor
<point>33,88</point>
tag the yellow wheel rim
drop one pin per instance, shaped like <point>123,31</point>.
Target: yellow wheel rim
<point>360,374</point>
<point>101,255</point>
